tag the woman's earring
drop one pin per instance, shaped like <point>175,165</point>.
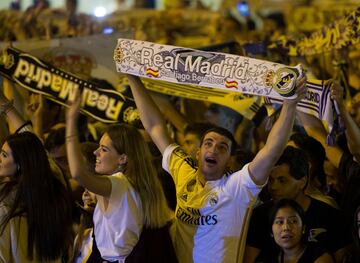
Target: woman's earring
<point>18,167</point>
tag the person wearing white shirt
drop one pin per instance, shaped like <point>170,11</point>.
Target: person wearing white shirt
<point>129,194</point>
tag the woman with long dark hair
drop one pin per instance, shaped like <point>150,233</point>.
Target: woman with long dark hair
<point>35,209</point>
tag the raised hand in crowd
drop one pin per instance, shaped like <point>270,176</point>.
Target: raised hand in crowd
<point>98,185</point>
<point>35,110</point>
<point>352,130</point>
<point>278,136</point>
<point>16,120</point>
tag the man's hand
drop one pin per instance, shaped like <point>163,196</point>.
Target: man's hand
<point>300,91</point>
<point>337,94</point>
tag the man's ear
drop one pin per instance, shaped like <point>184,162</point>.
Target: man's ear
<point>123,159</point>
<point>303,182</point>
<point>197,155</point>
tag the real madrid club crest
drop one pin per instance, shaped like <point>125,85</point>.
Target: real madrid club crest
<point>213,199</point>
<point>283,81</point>
<point>131,115</point>
<point>7,59</point>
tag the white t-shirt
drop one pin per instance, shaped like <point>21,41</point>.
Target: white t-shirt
<point>118,221</point>
<point>211,221</point>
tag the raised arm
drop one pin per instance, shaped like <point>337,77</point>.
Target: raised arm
<point>100,185</point>
<point>150,114</point>
<point>279,135</point>
<point>172,115</point>
<point>7,108</point>
<point>352,129</point>
<point>35,110</point>
<point>170,112</point>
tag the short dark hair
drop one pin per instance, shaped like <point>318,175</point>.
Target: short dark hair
<point>224,132</point>
<point>315,154</point>
<point>296,159</point>
<point>287,203</point>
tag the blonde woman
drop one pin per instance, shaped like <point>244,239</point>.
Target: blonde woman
<point>131,202</point>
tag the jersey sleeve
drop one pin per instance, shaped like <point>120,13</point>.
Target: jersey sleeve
<point>177,163</point>
<point>242,187</point>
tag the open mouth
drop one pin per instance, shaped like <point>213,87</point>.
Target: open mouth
<point>210,160</point>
